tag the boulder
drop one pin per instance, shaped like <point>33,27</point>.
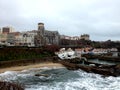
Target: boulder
<point>10,86</point>
<point>106,70</point>
<point>45,75</point>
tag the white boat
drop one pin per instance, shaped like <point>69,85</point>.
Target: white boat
<point>66,54</point>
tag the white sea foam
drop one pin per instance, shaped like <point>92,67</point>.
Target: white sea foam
<point>49,68</point>
<point>84,81</point>
<point>11,75</point>
<point>81,85</point>
<point>8,75</point>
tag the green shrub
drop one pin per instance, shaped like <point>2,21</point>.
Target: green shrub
<point>15,53</point>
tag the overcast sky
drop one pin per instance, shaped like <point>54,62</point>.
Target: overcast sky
<point>98,18</point>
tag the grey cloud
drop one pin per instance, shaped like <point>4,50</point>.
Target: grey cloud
<point>99,18</point>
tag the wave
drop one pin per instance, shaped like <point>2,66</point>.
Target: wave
<point>11,75</point>
<point>61,79</point>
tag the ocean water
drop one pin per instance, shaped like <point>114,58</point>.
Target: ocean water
<point>103,61</point>
<point>61,79</point>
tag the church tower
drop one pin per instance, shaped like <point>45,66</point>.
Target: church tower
<point>40,41</point>
<point>41,29</point>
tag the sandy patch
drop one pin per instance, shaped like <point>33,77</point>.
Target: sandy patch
<point>39,65</point>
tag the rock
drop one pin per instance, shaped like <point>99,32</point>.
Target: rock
<point>45,75</point>
<point>10,86</point>
<point>106,70</point>
<point>117,70</point>
<point>92,65</point>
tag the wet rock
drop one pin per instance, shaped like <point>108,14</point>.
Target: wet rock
<point>45,75</point>
<point>106,70</point>
<point>10,86</point>
<point>117,70</point>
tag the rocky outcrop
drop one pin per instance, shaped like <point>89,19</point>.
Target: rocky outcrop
<point>45,75</point>
<point>10,86</point>
<point>106,70</point>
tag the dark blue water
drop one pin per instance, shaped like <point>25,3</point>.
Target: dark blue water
<point>103,61</point>
<point>61,79</point>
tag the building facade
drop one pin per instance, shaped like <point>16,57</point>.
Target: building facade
<point>7,29</point>
<point>28,38</point>
<point>21,39</point>
<point>46,37</point>
<point>85,37</point>
<point>3,38</point>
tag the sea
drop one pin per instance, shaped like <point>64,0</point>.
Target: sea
<point>60,78</point>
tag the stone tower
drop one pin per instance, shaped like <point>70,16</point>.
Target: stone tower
<point>45,37</point>
<point>41,29</point>
<point>39,39</point>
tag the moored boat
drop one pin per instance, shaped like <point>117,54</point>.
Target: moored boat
<point>66,54</point>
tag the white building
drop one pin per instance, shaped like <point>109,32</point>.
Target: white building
<point>85,37</point>
<point>28,38</point>
<point>21,39</point>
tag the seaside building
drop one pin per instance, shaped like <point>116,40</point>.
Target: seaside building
<point>7,29</point>
<point>4,34</point>
<point>28,38</point>
<point>85,37</point>
<point>3,38</point>
<point>21,39</point>
<point>69,37</point>
<point>13,38</point>
<point>75,38</point>
<point>46,37</point>
<point>38,37</point>
<point>65,37</point>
